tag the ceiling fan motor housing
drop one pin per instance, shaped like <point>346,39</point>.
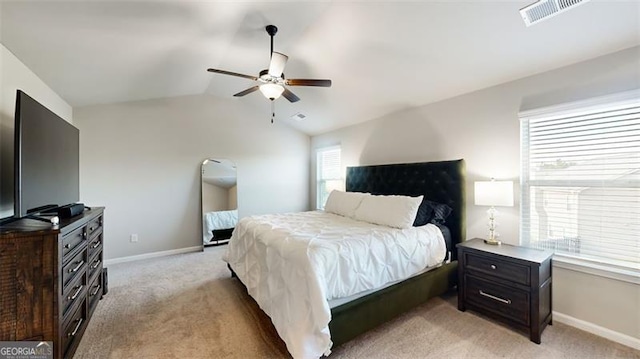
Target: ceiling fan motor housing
<point>271,30</point>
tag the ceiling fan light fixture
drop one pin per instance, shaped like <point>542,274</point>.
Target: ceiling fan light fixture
<point>271,91</point>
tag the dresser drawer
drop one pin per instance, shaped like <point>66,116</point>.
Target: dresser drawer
<point>95,266</point>
<point>95,245</point>
<point>94,226</point>
<point>95,293</point>
<point>508,302</point>
<point>72,241</point>
<point>499,268</point>
<point>75,267</point>
<point>73,328</point>
<point>73,294</point>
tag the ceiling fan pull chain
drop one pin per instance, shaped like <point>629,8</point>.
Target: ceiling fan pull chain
<point>273,111</point>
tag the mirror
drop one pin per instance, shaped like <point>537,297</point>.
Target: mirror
<point>219,202</point>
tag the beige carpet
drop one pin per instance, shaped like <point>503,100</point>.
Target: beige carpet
<point>187,306</point>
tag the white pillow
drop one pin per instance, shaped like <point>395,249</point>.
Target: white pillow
<point>344,203</point>
<point>391,211</point>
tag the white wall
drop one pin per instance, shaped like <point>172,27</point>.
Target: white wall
<point>15,75</point>
<point>233,197</point>
<point>215,198</point>
<point>142,161</point>
<point>483,128</point>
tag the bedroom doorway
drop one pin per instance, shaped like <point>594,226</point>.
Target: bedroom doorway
<point>219,200</point>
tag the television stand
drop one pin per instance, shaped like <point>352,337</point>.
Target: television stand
<point>51,280</point>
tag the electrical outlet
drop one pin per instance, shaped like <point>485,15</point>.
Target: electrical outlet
<point>134,238</point>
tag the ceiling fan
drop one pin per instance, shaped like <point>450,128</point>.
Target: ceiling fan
<point>272,82</point>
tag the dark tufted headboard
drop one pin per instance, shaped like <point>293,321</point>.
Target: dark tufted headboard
<point>442,182</point>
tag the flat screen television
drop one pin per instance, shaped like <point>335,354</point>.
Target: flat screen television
<point>46,159</point>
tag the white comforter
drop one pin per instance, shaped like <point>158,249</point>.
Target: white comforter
<point>292,264</point>
<point>218,220</point>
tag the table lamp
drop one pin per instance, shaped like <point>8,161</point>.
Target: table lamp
<point>493,193</point>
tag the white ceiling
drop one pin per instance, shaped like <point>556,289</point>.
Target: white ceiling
<point>219,172</point>
<point>382,56</point>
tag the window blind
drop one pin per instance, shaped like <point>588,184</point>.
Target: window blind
<point>581,183</point>
<point>329,174</point>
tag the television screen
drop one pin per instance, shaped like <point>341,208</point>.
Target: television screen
<point>46,158</point>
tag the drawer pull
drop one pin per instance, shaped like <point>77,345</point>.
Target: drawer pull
<point>493,266</point>
<point>75,330</point>
<point>95,264</point>
<point>95,244</point>
<point>77,268</point>
<point>90,229</point>
<point>75,295</point>
<point>505,301</point>
<point>84,235</point>
<point>67,246</point>
<point>96,290</point>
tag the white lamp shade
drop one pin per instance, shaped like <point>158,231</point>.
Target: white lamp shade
<point>271,91</point>
<point>493,193</point>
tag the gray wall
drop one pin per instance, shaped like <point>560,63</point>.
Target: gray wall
<point>483,128</point>
<point>142,161</point>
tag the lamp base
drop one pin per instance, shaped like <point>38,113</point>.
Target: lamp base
<point>493,242</point>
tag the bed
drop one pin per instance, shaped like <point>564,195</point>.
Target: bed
<point>441,182</point>
<point>218,226</point>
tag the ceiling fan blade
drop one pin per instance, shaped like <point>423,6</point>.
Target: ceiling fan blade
<point>247,91</point>
<point>276,66</point>
<point>308,82</point>
<point>290,96</point>
<point>233,74</point>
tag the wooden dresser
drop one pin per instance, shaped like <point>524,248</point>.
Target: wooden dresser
<point>508,283</point>
<point>50,279</point>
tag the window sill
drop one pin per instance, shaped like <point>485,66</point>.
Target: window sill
<point>629,275</point>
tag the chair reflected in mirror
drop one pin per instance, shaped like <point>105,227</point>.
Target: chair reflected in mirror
<point>219,191</point>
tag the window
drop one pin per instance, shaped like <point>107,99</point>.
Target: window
<point>329,174</point>
<point>581,181</point>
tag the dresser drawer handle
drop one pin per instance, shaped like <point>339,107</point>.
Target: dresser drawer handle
<point>75,330</point>
<point>96,290</point>
<point>90,229</point>
<point>493,266</point>
<point>75,295</point>
<point>84,235</point>
<point>77,268</point>
<point>95,264</point>
<point>505,301</point>
<point>67,246</point>
<point>95,244</point>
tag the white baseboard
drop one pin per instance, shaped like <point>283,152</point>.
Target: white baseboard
<point>152,255</point>
<point>597,330</point>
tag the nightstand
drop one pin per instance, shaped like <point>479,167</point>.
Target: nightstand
<point>508,283</point>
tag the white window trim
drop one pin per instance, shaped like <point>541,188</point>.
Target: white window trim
<point>601,269</point>
<point>622,98</point>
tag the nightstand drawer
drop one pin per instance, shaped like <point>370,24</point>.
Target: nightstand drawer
<point>505,301</point>
<point>498,268</point>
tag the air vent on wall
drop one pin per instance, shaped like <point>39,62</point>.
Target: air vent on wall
<point>544,9</point>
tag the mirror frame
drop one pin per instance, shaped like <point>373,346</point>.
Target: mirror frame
<point>202,164</point>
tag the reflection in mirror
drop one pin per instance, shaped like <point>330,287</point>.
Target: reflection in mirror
<point>219,201</point>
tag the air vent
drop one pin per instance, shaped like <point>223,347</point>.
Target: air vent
<point>298,117</point>
<point>544,9</point>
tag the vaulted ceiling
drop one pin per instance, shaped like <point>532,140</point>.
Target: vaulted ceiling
<point>382,56</point>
